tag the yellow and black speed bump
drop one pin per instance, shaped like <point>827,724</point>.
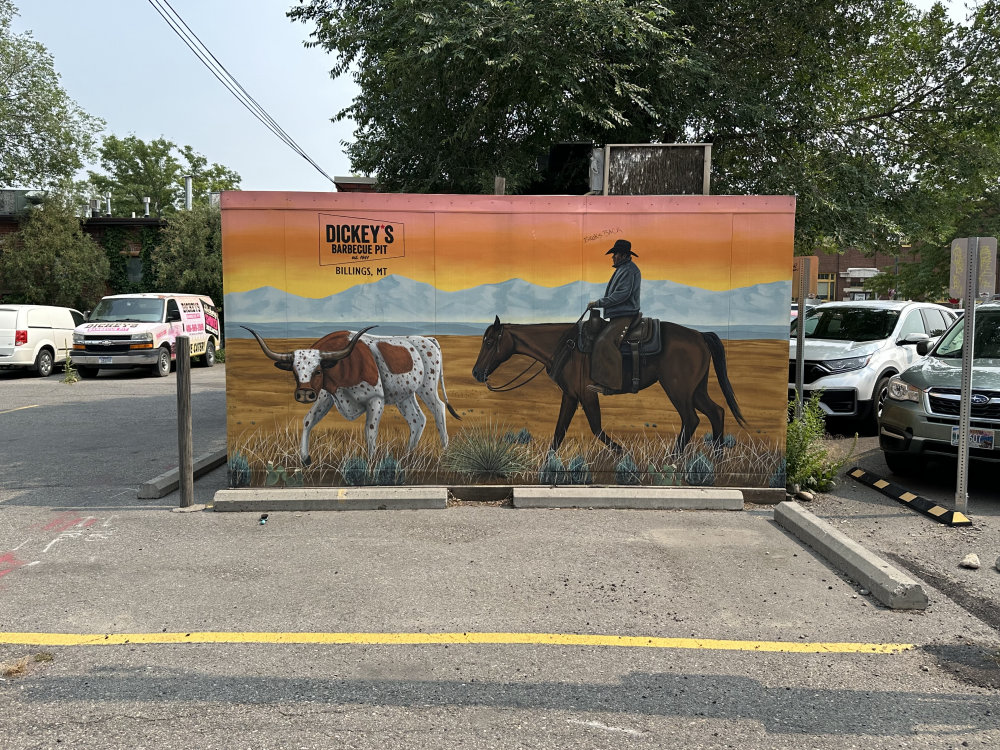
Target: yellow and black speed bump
<point>921,504</point>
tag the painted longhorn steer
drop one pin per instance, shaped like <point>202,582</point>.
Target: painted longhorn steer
<point>358,380</point>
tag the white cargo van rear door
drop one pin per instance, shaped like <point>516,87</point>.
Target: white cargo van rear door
<point>8,324</point>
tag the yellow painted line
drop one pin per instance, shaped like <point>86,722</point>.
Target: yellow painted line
<point>432,639</point>
<point>19,408</point>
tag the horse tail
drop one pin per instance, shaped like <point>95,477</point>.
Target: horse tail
<point>719,359</point>
<point>444,391</point>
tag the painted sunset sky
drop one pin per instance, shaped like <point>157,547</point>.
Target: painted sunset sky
<point>457,242</point>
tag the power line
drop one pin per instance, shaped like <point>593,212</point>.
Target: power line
<point>217,69</point>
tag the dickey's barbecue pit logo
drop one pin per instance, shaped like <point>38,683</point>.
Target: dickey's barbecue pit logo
<point>353,241</point>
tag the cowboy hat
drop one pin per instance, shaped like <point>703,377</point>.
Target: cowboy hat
<point>622,246</point>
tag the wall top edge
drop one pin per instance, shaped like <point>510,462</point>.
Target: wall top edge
<point>303,201</point>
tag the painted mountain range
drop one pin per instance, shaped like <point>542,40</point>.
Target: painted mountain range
<point>397,299</point>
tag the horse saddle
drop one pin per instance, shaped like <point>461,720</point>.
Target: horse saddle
<point>642,338</point>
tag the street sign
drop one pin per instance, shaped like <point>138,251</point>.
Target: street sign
<point>987,278</point>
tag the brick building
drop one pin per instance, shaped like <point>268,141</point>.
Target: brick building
<point>842,275</point>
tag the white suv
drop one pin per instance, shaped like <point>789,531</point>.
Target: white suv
<point>852,349</point>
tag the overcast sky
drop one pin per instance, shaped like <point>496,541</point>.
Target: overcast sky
<point>121,61</point>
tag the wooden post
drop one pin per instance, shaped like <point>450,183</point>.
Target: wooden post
<point>185,468</point>
<point>499,185</point>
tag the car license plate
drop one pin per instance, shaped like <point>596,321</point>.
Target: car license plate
<point>104,360</point>
<point>978,438</point>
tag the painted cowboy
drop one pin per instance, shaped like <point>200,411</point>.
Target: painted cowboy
<point>620,304</point>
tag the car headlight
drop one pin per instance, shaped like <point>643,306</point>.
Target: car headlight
<point>77,338</point>
<point>844,365</point>
<point>147,336</point>
<point>900,390</point>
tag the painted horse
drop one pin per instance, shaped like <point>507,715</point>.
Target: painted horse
<point>681,368</point>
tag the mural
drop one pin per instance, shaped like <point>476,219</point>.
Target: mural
<point>531,308</point>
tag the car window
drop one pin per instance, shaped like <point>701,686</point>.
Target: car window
<point>850,323</point>
<point>987,340</point>
<point>78,318</point>
<point>912,323</point>
<point>172,310</point>
<point>136,309</point>
<point>936,321</point>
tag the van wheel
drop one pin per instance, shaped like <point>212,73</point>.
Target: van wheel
<point>208,360</point>
<point>162,367</point>
<point>43,363</point>
<point>86,372</point>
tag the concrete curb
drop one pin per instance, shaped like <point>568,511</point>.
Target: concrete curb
<point>331,498</point>
<point>888,584</point>
<point>625,498</point>
<point>170,480</point>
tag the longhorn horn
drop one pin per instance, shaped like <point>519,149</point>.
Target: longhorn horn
<point>340,354</point>
<point>273,355</point>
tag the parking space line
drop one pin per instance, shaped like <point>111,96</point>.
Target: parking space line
<point>432,639</point>
<point>19,408</point>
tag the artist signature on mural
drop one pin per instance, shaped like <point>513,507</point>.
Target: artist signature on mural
<point>602,234</point>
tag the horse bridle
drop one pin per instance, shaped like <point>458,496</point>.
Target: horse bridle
<point>507,387</point>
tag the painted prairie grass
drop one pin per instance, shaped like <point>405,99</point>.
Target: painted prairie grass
<point>652,459</point>
<point>497,453</point>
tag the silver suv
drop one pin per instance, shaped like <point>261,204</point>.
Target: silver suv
<point>920,417</point>
<point>852,349</point>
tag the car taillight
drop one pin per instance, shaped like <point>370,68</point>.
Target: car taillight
<point>20,338</point>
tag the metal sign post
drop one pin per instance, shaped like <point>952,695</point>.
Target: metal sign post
<point>973,266</point>
<point>800,340</point>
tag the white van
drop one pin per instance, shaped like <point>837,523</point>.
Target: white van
<point>140,330</point>
<point>36,337</point>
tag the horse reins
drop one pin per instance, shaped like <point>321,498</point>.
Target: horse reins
<point>504,389</point>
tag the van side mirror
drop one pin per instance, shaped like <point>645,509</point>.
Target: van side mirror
<point>173,316</point>
<point>86,315</point>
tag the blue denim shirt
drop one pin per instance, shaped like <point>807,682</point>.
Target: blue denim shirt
<point>622,295</point>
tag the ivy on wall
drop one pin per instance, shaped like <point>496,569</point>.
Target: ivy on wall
<point>116,242</point>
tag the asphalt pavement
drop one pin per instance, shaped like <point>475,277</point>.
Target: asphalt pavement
<point>123,624</point>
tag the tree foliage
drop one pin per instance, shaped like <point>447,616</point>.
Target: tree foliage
<point>189,256</point>
<point>135,169</point>
<point>51,261</point>
<point>925,274</point>
<point>44,135</point>
<point>875,115</point>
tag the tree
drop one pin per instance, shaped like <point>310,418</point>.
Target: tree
<point>872,113</point>
<point>189,256</point>
<point>927,275</point>
<point>135,169</point>
<point>44,135</point>
<point>451,98</point>
<point>50,261</point>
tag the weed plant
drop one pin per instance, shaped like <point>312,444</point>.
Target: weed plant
<point>70,375</point>
<point>807,454</point>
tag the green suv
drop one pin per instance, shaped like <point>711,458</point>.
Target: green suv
<point>920,416</point>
